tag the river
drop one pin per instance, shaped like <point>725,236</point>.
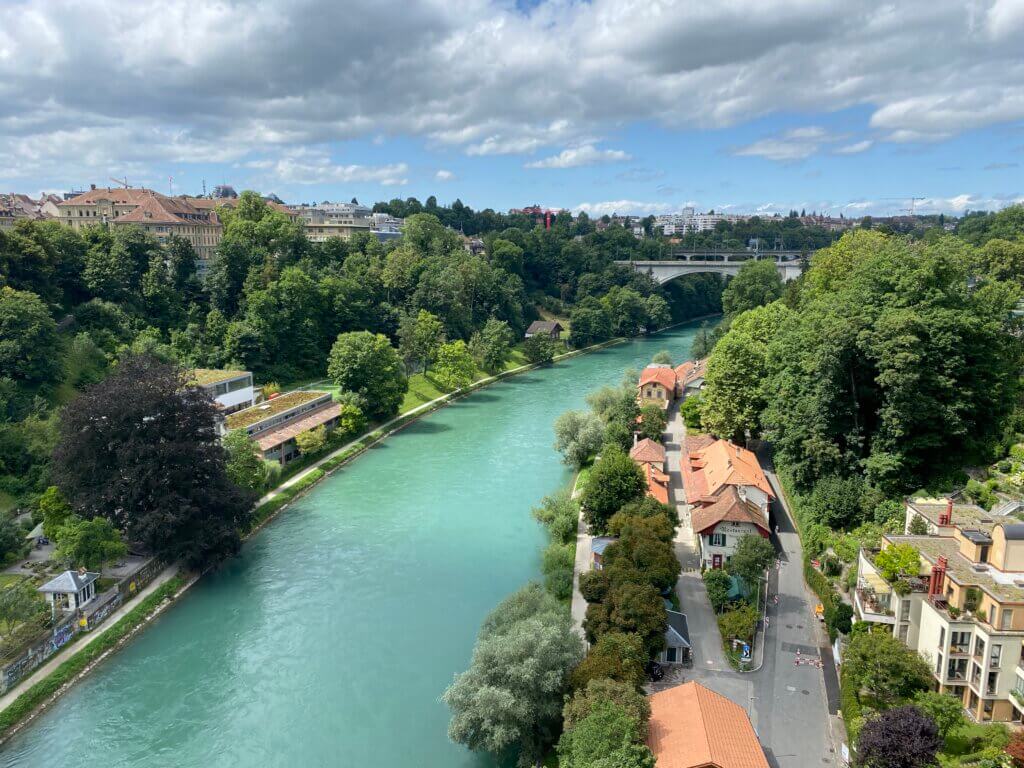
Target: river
<point>329,640</point>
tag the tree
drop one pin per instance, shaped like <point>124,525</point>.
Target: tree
<point>839,616</point>
<point>836,502</point>
<point>559,513</point>
<point>663,357</point>
<point>615,656</point>
<point>946,710</point>
<point>703,342</point>
<point>623,694</point>
<point>690,410</point>
<point>28,339</point>
<point>918,526</point>
<point>756,284</point>
<point>589,323</point>
<point>539,349</point>
<point>607,733</point>
<point>89,544</point>
<point>511,695</point>
<point>903,737</point>
<point>898,560</point>
<point>55,511</point>
<point>244,466</point>
<point>557,567</point>
<point>492,345</point>
<point>630,608</point>
<point>650,507</point>
<point>615,480</point>
<point>578,437</point>
<point>642,555</point>
<point>367,364</point>
<point>653,422</point>
<point>420,337</point>
<point>12,539</point>
<point>1015,748</point>
<point>20,603</point>
<point>141,449</point>
<point>739,622</point>
<point>717,583</point>
<point>751,559</point>
<point>454,367</point>
<point>885,667</point>
<point>312,440</point>
<point>658,313</point>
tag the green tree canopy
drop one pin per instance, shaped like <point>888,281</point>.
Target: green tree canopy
<point>757,283</point>
<point>614,481</point>
<point>89,543</point>
<point>492,345</point>
<point>615,656</point>
<point>367,364</point>
<point>898,560</point>
<point>883,666</point>
<point>454,366</point>
<point>28,339</point>
<point>578,437</point>
<point>753,555</point>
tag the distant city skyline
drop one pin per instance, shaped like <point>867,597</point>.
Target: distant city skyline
<point>602,107</point>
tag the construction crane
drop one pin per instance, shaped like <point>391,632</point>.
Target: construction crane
<point>122,182</point>
<point>913,203</point>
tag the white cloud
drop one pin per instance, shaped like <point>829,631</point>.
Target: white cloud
<point>160,80</point>
<point>443,175</point>
<point>312,167</point>
<point>790,146</point>
<point>855,148</point>
<point>623,208</point>
<point>574,157</point>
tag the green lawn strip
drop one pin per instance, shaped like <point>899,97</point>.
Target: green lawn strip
<point>25,704</point>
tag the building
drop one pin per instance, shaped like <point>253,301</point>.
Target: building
<point>598,545</point>
<point>158,215</point>
<point>693,727</point>
<point>16,206</point>
<point>329,220</point>
<point>551,328</point>
<point>690,377</point>
<point>650,457</point>
<point>231,390</point>
<point>657,385</point>
<point>273,424</point>
<point>728,493</point>
<point>963,610</point>
<point>213,203</point>
<point>677,640</point>
<point>70,590</point>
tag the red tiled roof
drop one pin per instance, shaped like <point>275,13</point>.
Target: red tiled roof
<point>691,370</point>
<point>664,376</point>
<point>657,483</point>
<point>648,451</point>
<point>729,506</point>
<point>710,465</point>
<point>692,727</point>
<point>275,437</point>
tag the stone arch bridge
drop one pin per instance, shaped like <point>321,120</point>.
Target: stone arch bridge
<point>789,264</point>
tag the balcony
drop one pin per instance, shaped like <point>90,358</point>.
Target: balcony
<point>872,606</point>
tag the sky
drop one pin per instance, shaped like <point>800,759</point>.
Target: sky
<point>604,106</point>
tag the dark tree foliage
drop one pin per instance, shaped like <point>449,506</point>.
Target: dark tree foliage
<point>141,449</point>
<point>902,737</point>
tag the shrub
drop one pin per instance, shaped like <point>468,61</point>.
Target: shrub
<point>838,616</point>
<point>690,411</point>
<point>739,622</point>
<point>717,583</point>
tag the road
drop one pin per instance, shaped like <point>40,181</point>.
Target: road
<point>786,698</point>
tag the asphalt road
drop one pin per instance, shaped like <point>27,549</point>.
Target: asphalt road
<point>786,698</point>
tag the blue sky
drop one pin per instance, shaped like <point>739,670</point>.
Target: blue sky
<point>628,107</point>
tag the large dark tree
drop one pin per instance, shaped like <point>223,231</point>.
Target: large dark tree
<point>903,737</point>
<point>141,449</point>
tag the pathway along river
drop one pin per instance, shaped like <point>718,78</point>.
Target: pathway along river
<point>329,640</point>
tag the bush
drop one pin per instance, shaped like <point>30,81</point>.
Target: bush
<point>838,616</point>
<point>717,583</point>
<point>1005,466</point>
<point>980,494</point>
<point>739,622</point>
<point>557,567</point>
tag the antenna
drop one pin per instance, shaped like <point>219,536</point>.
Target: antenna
<point>204,187</point>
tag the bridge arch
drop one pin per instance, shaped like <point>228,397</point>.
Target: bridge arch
<point>666,271</point>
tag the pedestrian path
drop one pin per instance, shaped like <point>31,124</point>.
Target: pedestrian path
<point>581,566</point>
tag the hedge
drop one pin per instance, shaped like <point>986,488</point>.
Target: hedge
<point>39,693</point>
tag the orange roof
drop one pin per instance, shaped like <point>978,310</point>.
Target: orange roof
<point>660,375</point>
<point>710,465</point>
<point>657,483</point>
<point>648,451</point>
<point>691,370</point>
<point>692,726</point>
<point>727,506</point>
<point>275,437</point>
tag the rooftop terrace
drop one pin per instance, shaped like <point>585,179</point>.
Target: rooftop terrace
<point>204,377</point>
<point>1003,585</point>
<point>964,515</point>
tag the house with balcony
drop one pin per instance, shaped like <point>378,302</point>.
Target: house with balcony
<point>962,611</point>
<point>274,424</point>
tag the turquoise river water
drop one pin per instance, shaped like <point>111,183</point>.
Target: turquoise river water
<point>329,640</point>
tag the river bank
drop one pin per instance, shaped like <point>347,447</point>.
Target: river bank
<point>426,533</point>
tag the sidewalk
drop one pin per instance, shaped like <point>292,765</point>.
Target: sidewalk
<point>59,658</point>
<point>581,566</point>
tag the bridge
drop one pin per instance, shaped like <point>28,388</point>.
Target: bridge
<point>788,263</point>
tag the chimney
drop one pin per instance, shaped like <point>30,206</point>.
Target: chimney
<point>938,573</point>
<point>945,517</point>
<point>92,186</point>
<point>81,570</point>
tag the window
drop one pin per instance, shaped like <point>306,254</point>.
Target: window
<point>716,540</point>
<point>942,636</point>
<point>960,642</point>
<point>670,655</point>
<point>992,684</point>
<point>1007,619</point>
<point>979,647</point>
<point>994,655</point>
<point>992,615</point>
<point>938,666</point>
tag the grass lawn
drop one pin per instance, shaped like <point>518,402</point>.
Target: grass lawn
<point>7,579</point>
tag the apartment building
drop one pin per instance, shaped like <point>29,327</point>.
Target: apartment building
<point>16,206</point>
<point>230,390</point>
<point>963,611</point>
<point>158,215</point>
<point>334,220</point>
<point>274,424</point>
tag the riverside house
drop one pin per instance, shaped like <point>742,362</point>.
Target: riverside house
<point>963,608</point>
<point>728,494</point>
<point>550,328</point>
<point>657,385</point>
<point>70,590</point>
<point>690,377</point>
<point>650,457</point>
<point>274,424</point>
